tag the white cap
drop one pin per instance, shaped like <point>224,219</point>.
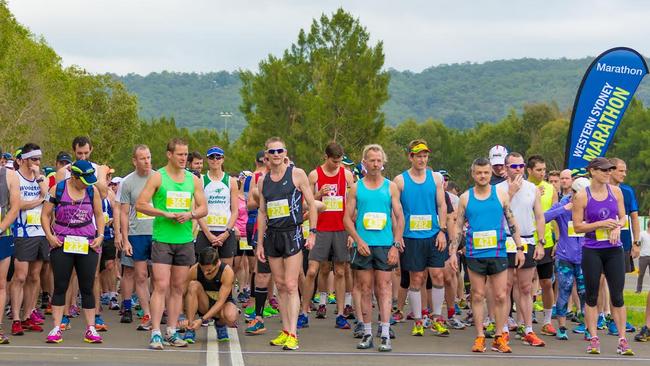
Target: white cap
<point>9,164</point>
<point>498,155</point>
<point>580,183</point>
<point>116,180</point>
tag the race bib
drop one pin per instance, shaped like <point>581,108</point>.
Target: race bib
<point>34,217</point>
<point>333,203</point>
<point>420,222</point>
<point>178,200</point>
<point>374,220</point>
<point>216,219</point>
<point>571,231</point>
<point>243,244</point>
<point>75,244</point>
<point>305,228</point>
<point>277,209</point>
<point>140,216</point>
<point>627,223</point>
<point>511,246</point>
<point>485,239</point>
<point>106,217</point>
<point>214,295</point>
<point>602,234</point>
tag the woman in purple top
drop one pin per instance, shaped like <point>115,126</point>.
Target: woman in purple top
<point>75,243</point>
<point>598,211</point>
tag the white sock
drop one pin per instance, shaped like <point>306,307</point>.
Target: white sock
<point>367,328</point>
<point>506,329</point>
<point>548,315</point>
<point>437,298</point>
<point>348,298</point>
<point>323,298</point>
<point>415,301</point>
<point>385,333</point>
<point>528,330</point>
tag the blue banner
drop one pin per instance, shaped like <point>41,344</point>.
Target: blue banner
<point>604,94</point>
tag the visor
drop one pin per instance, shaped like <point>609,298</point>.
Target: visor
<point>419,148</point>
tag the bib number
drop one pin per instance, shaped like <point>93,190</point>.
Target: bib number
<point>374,220</point>
<point>485,239</point>
<point>75,244</point>
<point>511,246</point>
<point>178,200</point>
<point>277,209</point>
<point>243,244</point>
<point>216,220</point>
<point>34,218</point>
<point>305,229</point>
<point>140,216</point>
<point>571,231</point>
<point>420,222</point>
<point>602,234</point>
<point>627,223</point>
<point>333,203</point>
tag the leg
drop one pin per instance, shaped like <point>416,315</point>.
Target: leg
<point>591,269</point>
<point>363,285</point>
<point>308,285</point>
<point>195,299</point>
<point>18,284</point>
<point>4,268</point>
<point>339,284</point>
<point>141,278</point>
<point>177,289</point>
<point>565,280</point>
<point>86,267</point>
<point>126,286</point>
<point>161,277</point>
<point>478,287</point>
<point>524,284</point>
<point>288,269</point>
<point>383,291</point>
<point>62,264</point>
<point>228,314</point>
<point>614,269</point>
<point>438,290</point>
<point>500,295</point>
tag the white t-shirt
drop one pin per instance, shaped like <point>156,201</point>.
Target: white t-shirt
<point>645,243</point>
<point>522,205</point>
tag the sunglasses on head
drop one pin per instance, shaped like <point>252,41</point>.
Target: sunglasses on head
<point>276,151</point>
<point>516,166</point>
<point>215,157</point>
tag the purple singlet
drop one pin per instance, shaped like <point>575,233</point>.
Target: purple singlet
<point>74,218</point>
<point>597,211</point>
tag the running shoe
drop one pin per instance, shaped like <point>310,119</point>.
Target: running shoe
<point>249,314</point>
<point>587,336</point>
<point>316,298</point>
<point>409,316</point>
<point>255,327</point>
<point>521,332</point>
<point>611,328</point>
<point>222,333</point>
<point>643,336</point>
<point>280,340</point>
<point>30,326</point>
<point>17,328</point>
<point>629,328</point>
<point>532,339</point>
<point>48,309</point>
<point>341,322</point>
<point>156,342</point>
<point>462,303</point>
<point>205,323</point>
<point>65,323</point>
<point>418,329</point>
<point>455,323</point>
<point>37,317</point>
<point>331,299</point>
<point>114,304</point>
<point>291,344</point>
<point>74,310</point>
<point>554,312</point>
<point>189,336</point>
<point>562,334</point>
<point>512,324</point>
<point>91,335</point>
<point>538,306</point>
<point>174,340</point>
<point>241,298</point>
<point>139,313</point>
<point>439,329</point>
<point>54,336</point>
<point>321,313</point>
<point>145,323</point>
<point>479,344</point>
<point>270,312</point>
<point>100,325</point>
<point>303,321</point>
<point>105,299</point>
<point>127,317</point>
<point>548,330</point>
<point>594,346</point>
<point>385,345</point>
<point>358,330</point>
<point>391,332</point>
<point>398,316</point>
<point>348,312</point>
<point>274,303</point>
<point>534,318</point>
<point>500,344</point>
<point>602,322</point>
<point>366,342</point>
<point>506,336</point>
<point>623,348</point>
<point>3,338</point>
<point>579,329</point>
<point>469,319</point>
<point>457,309</point>
<point>490,330</point>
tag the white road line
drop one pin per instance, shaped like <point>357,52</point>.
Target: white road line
<point>212,348</point>
<point>236,358</point>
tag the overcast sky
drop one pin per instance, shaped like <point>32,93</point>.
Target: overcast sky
<point>141,36</point>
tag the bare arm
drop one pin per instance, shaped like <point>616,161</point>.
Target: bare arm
<point>14,200</point>
<point>304,186</point>
<point>200,203</point>
<point>440,200</point>
<point>227,279</point>
<point>455,234</point>
<point>348,218</point>
<point>398,224</point>
<point>234,203</point>
<point>540,223</point>
<point>142,203</point>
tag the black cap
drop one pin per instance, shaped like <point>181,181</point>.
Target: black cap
<point>64,156</point>
<point>260,157</point>
<point>600,163</point>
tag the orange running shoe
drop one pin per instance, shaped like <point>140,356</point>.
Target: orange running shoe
<point>479,344</point>
<point>500,344</point>
<point>532,339</point>
<point>506,336</point>
<point>549,330</point>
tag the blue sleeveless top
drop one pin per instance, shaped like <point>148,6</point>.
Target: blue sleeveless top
<point>374,208</point>
<point>486,237</point>
<point>420,207</point>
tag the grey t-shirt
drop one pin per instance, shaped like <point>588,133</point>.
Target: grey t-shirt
<point>130,188</point>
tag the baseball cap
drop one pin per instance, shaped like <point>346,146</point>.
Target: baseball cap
<point>7,156</point>
<point>64,156</point>
<point>116,180</point>
<point>600,163</point>
<point>260,156</point>
<point>498,155</point>
<point>580,183</point>
<point>84,170</point>
<point>215,150</point>
<point>347,161</point>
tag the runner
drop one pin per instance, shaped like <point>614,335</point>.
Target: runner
<point>218,228</point>
<point>565,183</point>
<point>422,197</point>
<point>527,210</point>
<point>108,270</point>
<point>282,191</point>
<point>599,212</point>
<point>245,257</point>
<point>9,210</point>
<point>195,163</point>
<point>568,258</point>
<point>644,261</point>
<point>177,198</point>
<point>554,180</point>
<point>210,284</point>
<point>484,208</point>
<point>136,239</point>
<point>375,221</point>
<point>31,247</point>
<point>497,160</point>
<point>536,168</point>
<point>330,182</point>
<point>82,148</point>
<point>75,242</point>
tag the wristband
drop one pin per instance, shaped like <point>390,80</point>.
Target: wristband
<point>100,236</point>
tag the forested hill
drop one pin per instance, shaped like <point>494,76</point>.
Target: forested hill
<point>460,94</point>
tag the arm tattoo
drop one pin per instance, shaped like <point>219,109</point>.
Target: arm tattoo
<point>509,219</point>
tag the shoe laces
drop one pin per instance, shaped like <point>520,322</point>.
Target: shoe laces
<point>92,331</point>
<point>54,331</point>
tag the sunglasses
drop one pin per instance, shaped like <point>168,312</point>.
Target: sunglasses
<point>276,151</point>
<point>516,166</point>
<point>215,157</point>
<point>605,170</point>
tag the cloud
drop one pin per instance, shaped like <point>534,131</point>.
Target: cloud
<point>141,36</point>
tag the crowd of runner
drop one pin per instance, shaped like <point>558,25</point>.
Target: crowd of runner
<point>183,247</point>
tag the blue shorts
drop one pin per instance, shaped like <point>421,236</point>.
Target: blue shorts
<point>141,247</point>
<point>6,247</point>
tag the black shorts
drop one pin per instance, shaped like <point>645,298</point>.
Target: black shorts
<point>227,250</point>
<point>283,244</point>
<point>548,256</point>
<point>545,269</point>
<point>32,249</point>
<point>487,266</point>
<point>377,260</point>
<point>108,250</point>
<point>420,254</point>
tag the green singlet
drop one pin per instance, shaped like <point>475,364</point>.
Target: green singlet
<point>173,197</point>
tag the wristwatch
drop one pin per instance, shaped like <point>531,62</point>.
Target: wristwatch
<point>397,245</point>
<point>637,243</point>
<point>313,230</point>
<point>520,248</point>
<point>230,230</point>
